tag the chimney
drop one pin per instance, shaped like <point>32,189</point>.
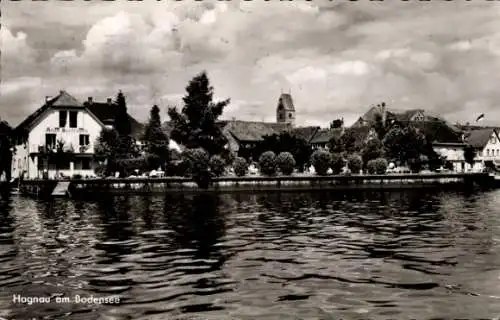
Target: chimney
<point>61,91</point>
<point>90,100</point>
<point>233,119</point>
<point>109,101</point>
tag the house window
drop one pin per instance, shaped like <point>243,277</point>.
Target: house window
<point>62,118</point>
<point>487,152</point>
<point>40,164</point>
<point>85,164</point>
<point>50,140</point>
<point>84,140</point>
<point>73,119</point>
<point>480,153</point>
<point>493,140</point>
<point>290,115</point>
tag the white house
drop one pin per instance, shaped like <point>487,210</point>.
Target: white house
<point>61,123</point>
<point>486,142</point>
<point>453,152</point>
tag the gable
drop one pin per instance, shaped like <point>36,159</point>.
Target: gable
<point>418,116</point>
<point>494,138</point>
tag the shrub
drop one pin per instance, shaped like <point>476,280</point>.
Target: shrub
<point>355,163</point>
<point>449,165</point>
<point>371,166</point>
<point>127,167</point>
<point>285,163</point>
<point>175,155</point>
<point>217,165</point>
<point>240,166</point>
<point>100,170</point>
<point>198,164</point>
<point>415,165</point>
<point>267,163</point>
<point>337,163</point>
<point>380,166</point>
<point>177,168</point>
<point>77,176</point>
<point>321,161</point>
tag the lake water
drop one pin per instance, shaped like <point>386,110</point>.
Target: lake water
<point>398,255</point>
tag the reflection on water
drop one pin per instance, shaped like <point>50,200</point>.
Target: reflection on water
<point>254,256</point>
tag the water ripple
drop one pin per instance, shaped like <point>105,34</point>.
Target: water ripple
<point>316,255</point>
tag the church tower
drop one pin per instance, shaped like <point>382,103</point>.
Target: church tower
<point>285,111</point>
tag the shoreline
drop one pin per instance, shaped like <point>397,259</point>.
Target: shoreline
<point>261,183</point>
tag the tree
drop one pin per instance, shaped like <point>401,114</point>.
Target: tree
<point>240,166</point>
<point>372,150</point>
<point>350,141</point>
<point>198,163</point>
<point>335,144</point>
<point>122,120</point>
<point>337,163</point>
<point>6,146</point>
<point>285,162</point>
<point>217,165</point>
<point>469,154</point>
<point>355,163</point>
<point>196,125</point>
<point>321,161</point>
<point>406,144</point>
<point>157,142</point>
<point>125,147</point>
<point>267,163</point>
<point>60,156</point>
<point>285,142</point>
<point>379,126</point>
<point>337,123</point>
<point>105,149</point>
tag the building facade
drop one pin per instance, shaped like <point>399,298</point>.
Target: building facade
<point>58,140</point>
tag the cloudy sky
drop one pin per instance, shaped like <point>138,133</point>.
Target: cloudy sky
<point>337,58</point>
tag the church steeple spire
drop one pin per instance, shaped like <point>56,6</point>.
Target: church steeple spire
<point>285,111</point>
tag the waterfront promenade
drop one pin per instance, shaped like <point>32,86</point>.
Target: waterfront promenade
<point>260,183</point>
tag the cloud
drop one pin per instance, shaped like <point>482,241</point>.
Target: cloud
<point>17,56</point>
<point>336,58</point>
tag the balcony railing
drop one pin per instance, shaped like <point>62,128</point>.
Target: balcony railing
<point>34,148</point>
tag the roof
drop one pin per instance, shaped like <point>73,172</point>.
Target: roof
<point>286,101</point>
<point>438,131</point>
<point>479,138</point>
<point>397,114</point>
<point>106,112</point>
<point>249,131</point>
<point>323,136</point>
<point>305,133</point>
<point>64,99</point>
<point>5,128</point>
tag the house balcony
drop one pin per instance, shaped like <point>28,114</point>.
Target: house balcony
<point>43,149</point>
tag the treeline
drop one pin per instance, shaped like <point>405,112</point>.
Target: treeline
<point>195,126</point>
